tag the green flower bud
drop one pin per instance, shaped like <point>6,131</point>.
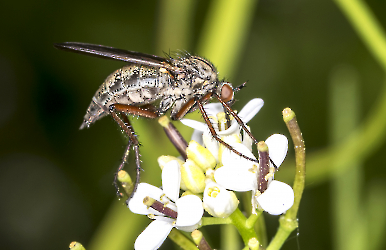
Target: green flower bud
<point>76,246</point>
<point>200,155</point>
<point>193,176</point>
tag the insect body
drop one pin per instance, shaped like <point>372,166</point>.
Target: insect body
<point>149,86</point>
<point>138,85</point>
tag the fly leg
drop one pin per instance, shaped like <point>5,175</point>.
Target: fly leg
<point>199,102</point>
<point>125,124</point>
<point>227,118</point>
<point>216,136</point>
<point>239,121</point>
<point>237,118</point>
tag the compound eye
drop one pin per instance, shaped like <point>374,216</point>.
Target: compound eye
<point>226,92</point>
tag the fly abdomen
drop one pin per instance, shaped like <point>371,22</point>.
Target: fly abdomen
<point>94,112</point>
<point>132,85</point>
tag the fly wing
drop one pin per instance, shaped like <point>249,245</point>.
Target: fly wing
<point>115,54</point>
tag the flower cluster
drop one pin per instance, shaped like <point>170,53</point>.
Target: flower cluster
<point>166,208</point>
<point>210,175</point>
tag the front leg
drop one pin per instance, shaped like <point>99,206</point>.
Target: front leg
<point>189,105</point>
<point>194,101</point>
<point>216,136</point>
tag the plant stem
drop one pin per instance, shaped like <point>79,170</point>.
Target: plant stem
<point>181,240</point>
<point>349,231</point>
<point>288,222</point>
<point>240,222</point>
<point>206,221</point>
<point>250,223</point>
<point>300,158</point>
<point>367,26</point>
<point>230,31</point>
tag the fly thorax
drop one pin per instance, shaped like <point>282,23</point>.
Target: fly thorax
<point>197,74</point>
<point>201,86</point>
<point>202,68</point>
<point>178,92</point>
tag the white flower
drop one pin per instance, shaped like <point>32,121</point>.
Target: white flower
<point>189,208</point>
<point>240,174</point>
<point>218,201</point>
<point>202,134</point>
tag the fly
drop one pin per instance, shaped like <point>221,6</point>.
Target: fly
<point>181,85</point>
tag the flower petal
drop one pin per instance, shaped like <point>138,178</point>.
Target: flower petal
<point>189,210</point>
<point>194,124</point>
<point>210,143</point>
<point>136,202</point>
<point>154,235</point>
<point>246,114</point>
<point>230,158</point>
<point>247,140</point>
<point>251,109</point>
<point>237,178</point>
<point>278,147</point>
<point>231,130</point>
<point>188,228</point>
<point>218,201</point>
<point>277,199</point>
<point>213,108</point>
<point>197,136</point>
<point>171,179</point>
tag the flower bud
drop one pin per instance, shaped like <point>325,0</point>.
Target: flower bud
<point>163,159</point>
<point>193,176</point>
<point>200,155</point>
<point>253,244</point>
<point>76,246</point>
<point>218,201</point>
<point>126,182</point>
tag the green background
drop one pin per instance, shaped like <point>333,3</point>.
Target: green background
<point>56,180</point>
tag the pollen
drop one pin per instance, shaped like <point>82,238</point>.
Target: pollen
<point>213,192</point>
<point>222,120</point>
<point>253,169</point>
<point>270,174</point>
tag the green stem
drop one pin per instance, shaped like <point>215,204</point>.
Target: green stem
<point>175,16</point>
<point>200,240</point>
<point>367,27</point>
<point>251,221</point>
<point>240,222</point>
<point>288,222</point>
<point>285,229</point>
<point>181,240</point>
<point>300,159</point>
<point>206,221</point>
<point>226,33</point>
<point>261,231</point>
<point>229,238</point>
<point>348,233</point>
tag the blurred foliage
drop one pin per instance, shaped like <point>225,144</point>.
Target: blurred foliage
<point>56,181</point>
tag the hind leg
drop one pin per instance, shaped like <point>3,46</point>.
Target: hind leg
<point>125,124</point>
